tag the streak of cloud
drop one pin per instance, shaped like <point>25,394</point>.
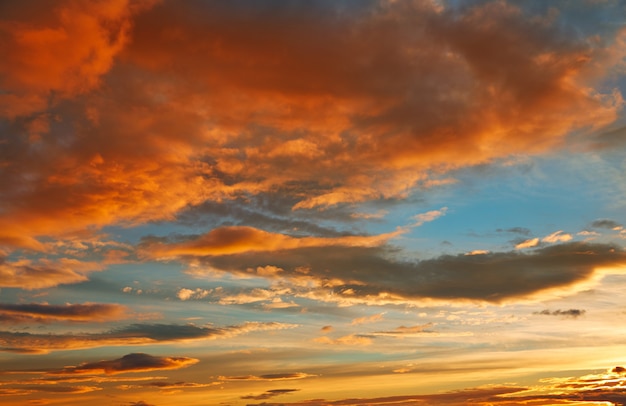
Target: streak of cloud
<point>135,334</point>
<point>35,312</point>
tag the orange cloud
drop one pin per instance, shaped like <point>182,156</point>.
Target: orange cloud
<point>28,274</point>
<point>124,112</point>
<point>240,239</point>
<point>136,362</point>
<point>351,340</point>
<point>135,334</point>
<point>20,313</point>
<point>268,377</point>
<point>339,111</point>
<point>58,50</point>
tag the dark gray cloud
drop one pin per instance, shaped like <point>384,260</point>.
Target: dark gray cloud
<point>573,313</point>
<point>612,139</point>
<point>267,377</point>
<point>492,277</point>
<point>135,362</point>
<point>605,223</point>
<point>515,230</point>
<point>134,334</point>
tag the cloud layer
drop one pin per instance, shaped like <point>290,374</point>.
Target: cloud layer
<point>359,102</point>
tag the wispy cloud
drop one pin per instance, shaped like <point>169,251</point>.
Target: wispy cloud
<point>135,334</point>
<point>42,313</point>
<point>268,377</point>
<point>270,394</point>
<point>573,313</point>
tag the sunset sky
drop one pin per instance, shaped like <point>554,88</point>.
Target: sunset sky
<point>312,203</point>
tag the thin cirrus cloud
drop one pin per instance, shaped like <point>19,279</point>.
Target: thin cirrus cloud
<point>267,377</point>
<point>204,128</point>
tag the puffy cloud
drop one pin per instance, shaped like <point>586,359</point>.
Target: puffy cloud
<point>35,312</point>
<point>58,49</point>
<point>186,294</point>
<point>124,112</point>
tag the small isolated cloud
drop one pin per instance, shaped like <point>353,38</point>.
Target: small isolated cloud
<point>533,242</point>
<point>606,223</point>
<point>514,230</point>
<point>477,252</point>
<point>267,377</point>
<point>427,217</point>
<point>130,289</point>
<point>557,236</point>
<point>270,394</point>
<point>573,313</point>
<point>140,403</point>
<point>351,340</point>
<point>619,370</point>
<point>278,303</point>
<point>404,331</point>
<point>368,319</point>
<point>168,387</point>
<point>587,233</point>
<point>327,328</point>
<point>186,294</point>
<point>135,362</point>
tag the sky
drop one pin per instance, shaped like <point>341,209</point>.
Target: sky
<point>312,203</point>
